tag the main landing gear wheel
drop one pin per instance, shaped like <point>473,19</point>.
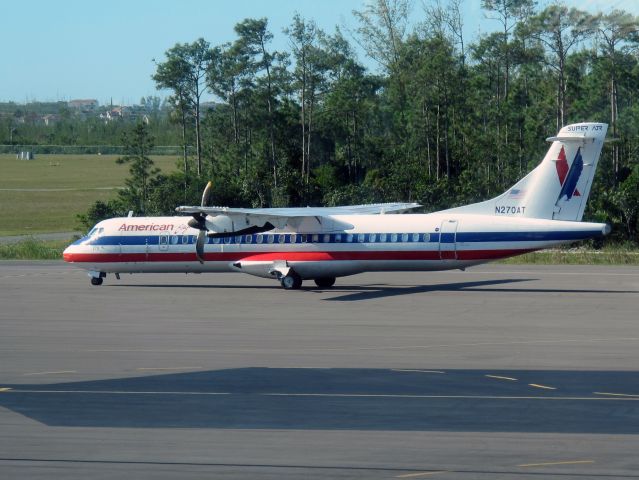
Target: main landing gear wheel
<point>96,280</point>
<point>325,282</point>
<point>292,281</point>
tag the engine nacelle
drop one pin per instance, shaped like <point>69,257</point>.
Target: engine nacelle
<point>219,224</point>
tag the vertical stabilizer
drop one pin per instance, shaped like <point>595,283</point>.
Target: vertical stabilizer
<point>559,186</point>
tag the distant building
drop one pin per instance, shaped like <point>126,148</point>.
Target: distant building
<point>86,104</point>
<point>25,156</point>
<point>50,119</point>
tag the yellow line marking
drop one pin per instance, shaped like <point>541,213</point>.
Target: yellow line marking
<point>421,474</point>
<point>4,389</point>
<point>167,368</point>
<point>570,462</point>
<point>618,394</point>
<point>545,387</point>
<point>502,378</point>
<point>418,371</point>
<point>59,372</point>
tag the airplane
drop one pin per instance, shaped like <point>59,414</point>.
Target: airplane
<point>544,209</point>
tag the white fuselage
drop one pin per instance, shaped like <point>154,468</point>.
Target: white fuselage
<point>416,242</point>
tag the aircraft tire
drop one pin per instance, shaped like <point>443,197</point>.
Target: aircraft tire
<point>325,282</point>
<point>292,281</point>
<point>96,280</point>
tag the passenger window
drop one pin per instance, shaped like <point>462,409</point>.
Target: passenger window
<point>174,240</point>
<point>185,239</point>
<point>361,238</point>
<point>372,237</point>
<point>393,237</point>
<point>315,238</point>
<point>427,237</point>
<point>270,238</point>
<point>338,238</point>
<point>327,238</point>
<point>349,238</point>
<point>259,238</point>
<point>382,237</point>
<point>304,238</point>
<point>216,240</point>
<point>404,237</point>
<point>248,238</point>
<point>282,238</point>
<point>164,240</point>
<point>293,238</point>
<point>227,240</point>
<point>415,237</point>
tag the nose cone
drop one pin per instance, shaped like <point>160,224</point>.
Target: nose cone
<point>67,255</point>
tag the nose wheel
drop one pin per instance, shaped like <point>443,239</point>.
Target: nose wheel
<point>97,278</point>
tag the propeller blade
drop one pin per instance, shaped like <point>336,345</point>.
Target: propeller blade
<point>199,246</point>
<point>206,194</point>
<point>198,222</point>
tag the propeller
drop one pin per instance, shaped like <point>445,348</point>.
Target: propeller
<point>199,221</point>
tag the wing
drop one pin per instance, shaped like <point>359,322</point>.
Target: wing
<point>371,209</point>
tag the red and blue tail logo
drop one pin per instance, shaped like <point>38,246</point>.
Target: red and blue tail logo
<point>569,177</point>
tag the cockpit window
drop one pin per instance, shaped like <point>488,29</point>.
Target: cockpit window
<point>95,231</point>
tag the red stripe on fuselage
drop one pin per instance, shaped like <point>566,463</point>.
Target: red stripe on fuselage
<point>291,256</point>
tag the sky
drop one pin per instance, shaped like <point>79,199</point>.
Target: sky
<point>70,49</point>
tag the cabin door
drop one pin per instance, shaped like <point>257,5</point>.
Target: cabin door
<point>448,240</point>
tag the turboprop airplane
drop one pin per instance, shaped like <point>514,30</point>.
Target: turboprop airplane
<point>543,209</point>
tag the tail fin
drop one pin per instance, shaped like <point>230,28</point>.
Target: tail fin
<point>559,186</point>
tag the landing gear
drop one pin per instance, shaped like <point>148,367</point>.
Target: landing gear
<point>291,281</point>
<point>325,282</point>
<point>97,277</point>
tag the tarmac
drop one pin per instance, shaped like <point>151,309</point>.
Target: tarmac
<point>501,371</point>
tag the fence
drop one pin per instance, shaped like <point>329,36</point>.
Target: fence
<point>90,149</point>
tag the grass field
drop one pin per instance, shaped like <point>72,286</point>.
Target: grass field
<point>46,194</point>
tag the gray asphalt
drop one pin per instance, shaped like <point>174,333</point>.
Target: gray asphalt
<point>496,372</point>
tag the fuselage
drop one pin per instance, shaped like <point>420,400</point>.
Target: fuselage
<point>323,247</point>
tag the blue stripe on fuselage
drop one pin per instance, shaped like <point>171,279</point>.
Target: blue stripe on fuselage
<point>462,237</point>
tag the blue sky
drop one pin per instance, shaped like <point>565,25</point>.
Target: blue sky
<point>65,49</point>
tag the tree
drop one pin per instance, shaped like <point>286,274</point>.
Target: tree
<point>507,13</point>
<point>382,29</point>
<point>137,145</point>
<point>619,32</point>
<point>253,39</point>
<point>172,74</point>
<point>184,71</point>
<point>560,29</point>
<point>311,64</point>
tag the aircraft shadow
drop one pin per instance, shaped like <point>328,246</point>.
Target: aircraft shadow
<point>343,399</point>
<point>350,293</point>
<point>357,293</point>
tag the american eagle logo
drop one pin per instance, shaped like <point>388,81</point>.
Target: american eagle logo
<point>569,177</point>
